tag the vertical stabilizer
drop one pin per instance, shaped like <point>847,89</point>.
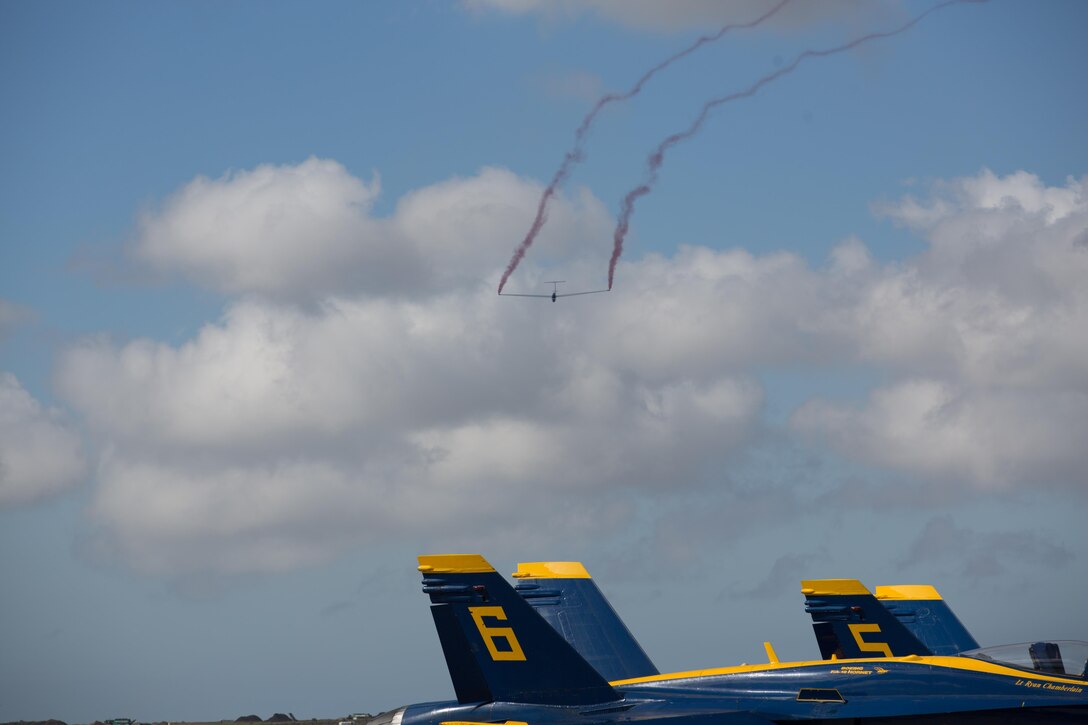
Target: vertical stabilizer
<point>569,600</point>
<point>497,647</point>
<point>850,623</point>
<point>925,613</point>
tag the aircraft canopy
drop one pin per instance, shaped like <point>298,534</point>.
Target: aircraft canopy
<point>1061,657</point>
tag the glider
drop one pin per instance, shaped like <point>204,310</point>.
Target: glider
<point>555,291</point>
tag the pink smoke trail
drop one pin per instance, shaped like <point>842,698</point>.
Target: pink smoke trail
<point>575,154</point>
<point>654,161</point>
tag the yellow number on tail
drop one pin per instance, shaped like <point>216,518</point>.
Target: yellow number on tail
<point>859,629</point>
<point>490,634</point>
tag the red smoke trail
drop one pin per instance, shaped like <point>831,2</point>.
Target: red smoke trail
<point>654,161</point>
<point>575,154</point>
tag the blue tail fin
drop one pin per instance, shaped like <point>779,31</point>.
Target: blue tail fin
<point>850,623</point>
<point>497,647</point>
<point>568,599</point>
<point>924,612</point>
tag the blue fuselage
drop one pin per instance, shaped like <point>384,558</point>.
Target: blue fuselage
<point>929,689</point>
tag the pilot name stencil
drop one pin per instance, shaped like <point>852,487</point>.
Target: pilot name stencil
<point>1049,686</point>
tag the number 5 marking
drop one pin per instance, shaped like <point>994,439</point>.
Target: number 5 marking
<point>859,629</point>
<point>490,634</point>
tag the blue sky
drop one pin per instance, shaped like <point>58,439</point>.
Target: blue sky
<point>252,362</point>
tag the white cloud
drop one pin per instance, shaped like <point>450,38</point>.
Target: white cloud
<point>226,512</point>
<point>989,329</point>
<point>282,434</point>
<point>1019,192</point>
<point>271,229</point>
<point>703,311</point>
<point>304,231</point>
<point>40,455</point>
<point>367,415</point>
<point>990,437</point>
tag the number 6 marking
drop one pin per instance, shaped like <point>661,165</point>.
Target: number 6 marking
<point>490,634</point>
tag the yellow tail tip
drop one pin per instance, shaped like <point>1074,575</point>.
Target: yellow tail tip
<point>908,591</point>
<point>454,564</point>
<point>829,587</point>
<point>551,570</point>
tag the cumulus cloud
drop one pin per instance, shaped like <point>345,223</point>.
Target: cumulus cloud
<point>1018,192</point>
<point>282,433</point>
<point>989,331</point>
<point>40,453</point>
<point>270,229</point>
<point>706,311</point>
<point>331,427</point>
<point>678,14</point>
<point>300,232</point>
<point>990,437</point>
<point>310,500</point>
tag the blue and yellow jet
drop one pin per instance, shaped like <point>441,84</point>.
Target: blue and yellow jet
<point>510,666</point>
<point>912,619</point>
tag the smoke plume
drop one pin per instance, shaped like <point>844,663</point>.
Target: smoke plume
<point>654,161</point>
<point>576,153</point>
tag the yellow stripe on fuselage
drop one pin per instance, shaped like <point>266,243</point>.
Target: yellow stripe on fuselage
<point>953,663</point>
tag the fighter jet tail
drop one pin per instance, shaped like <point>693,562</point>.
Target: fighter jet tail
<point>850,623</point>
<point>497,647</point>
<point>564,594</point>
<point>924,612</point>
